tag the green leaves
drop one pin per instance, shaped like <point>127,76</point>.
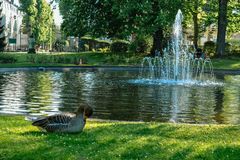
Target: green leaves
<point>38,19</point>
<point>233,17</point>
<point>117,18</point>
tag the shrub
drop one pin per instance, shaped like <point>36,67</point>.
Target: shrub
<point>104,50</point>
<point>115,59</point>
<point>86,47</point>
<point>91,42</point>
<point>31,58</point>
<point>38,58</point>
<point>141,45</point>
<point>6,58</point>
<point>58,59</point>
<point>119,46</point>
<point>228,48</point>
<point>94,43</point>
<point>59,45</point>
<point>41,59</point>
<point>102,44</point>
<point>234,42</point>
<point>210,48</point>
<point>134,60</point>
<point>235,50</point>
<point>233,47</point>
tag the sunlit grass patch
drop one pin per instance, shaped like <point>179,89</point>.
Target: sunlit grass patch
<point>119,140</point>
<point>227,63</point>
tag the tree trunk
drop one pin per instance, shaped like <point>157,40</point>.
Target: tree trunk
<point>222,26</point>
<point>157,42</point>
<point>195,23</point>
<point>196,30</point>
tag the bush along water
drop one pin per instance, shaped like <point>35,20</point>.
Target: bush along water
<point>89,44</point>
<point>119,46</point>
<point>7,58</point>
<point>51,59</point>
<point>210,48</point>
<point>231,49</point>
<point>142,44</point>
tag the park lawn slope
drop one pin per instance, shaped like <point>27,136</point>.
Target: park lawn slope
<point>93,59</point>
<point>119,140</point>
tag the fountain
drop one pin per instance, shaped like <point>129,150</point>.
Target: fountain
<point>177,65</point>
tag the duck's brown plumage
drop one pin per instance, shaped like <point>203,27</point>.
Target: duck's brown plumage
<point>65,122</point>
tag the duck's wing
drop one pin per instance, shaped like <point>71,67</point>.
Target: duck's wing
<point>54,123</point>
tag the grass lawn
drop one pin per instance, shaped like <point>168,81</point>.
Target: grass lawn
<point>119,140</point>
<point>68,59</point>
<point>227,63</point>
<point>94,59</point>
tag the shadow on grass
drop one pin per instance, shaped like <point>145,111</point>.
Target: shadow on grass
<point>226,152</point>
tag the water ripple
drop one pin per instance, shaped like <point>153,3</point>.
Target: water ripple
<point>121,95</point>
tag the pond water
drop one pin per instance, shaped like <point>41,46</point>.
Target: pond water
<point>115,95</point>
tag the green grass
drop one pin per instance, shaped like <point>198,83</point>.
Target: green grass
<point>70,59</point>
<point>119,140</point>
<point>96,59</point>
<point>232,63</point>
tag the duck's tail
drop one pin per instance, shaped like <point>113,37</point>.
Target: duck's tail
<point>31,118</point>
<point>40,122</point>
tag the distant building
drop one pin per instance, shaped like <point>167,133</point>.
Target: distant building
<point>12,20</point>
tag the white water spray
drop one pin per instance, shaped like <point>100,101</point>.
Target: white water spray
<point>176,64</point>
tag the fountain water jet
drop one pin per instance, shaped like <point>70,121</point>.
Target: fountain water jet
<point>177,65</point>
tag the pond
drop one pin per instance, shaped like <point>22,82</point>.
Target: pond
<point>114,95</point>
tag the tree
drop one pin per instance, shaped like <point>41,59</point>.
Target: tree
<point>195,13</point>
<point>207,14</point>
<point>30,10</point>
<point>233,16</point>
<point>38,20</point>
<point>29,21</point>
<point>44,28</point>
<point>2,35</point>
<point>97,18</point>
<point>120,19</point>
<point>200,13</point>
<point>222,26</point>
<point>74,19</point>
<point>149,17</point>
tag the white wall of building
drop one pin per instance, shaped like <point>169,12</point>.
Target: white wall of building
<point>12,19</point>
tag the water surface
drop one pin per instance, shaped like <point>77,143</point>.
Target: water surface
<point>115,95</point>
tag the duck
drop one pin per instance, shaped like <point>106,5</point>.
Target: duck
<point>65,122</point>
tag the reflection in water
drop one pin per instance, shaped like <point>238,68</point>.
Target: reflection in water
<point>231,99</point>
<point>113,97</point>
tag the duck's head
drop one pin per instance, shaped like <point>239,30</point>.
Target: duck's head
<point>88,111</point>
<point>85,109</point>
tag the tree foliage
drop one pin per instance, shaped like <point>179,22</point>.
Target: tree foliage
<point>233,17</point>
<point>44,27</point>
<point>83,17</point>
<point>193,10</point>
<point>30,10</point>
<point>122,18</point>
<point>118,19</point>
<point>38,20</point>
